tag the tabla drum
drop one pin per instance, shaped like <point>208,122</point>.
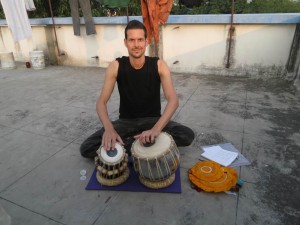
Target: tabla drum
<point>112,166</point>
<point>156,164</point>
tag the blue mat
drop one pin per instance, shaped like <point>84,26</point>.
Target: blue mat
<point>133,184</point>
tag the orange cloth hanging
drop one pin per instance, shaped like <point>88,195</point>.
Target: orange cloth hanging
<point>155,12</point>
<point>165,7</point>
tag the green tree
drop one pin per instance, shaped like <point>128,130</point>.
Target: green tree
<point>224,6</point>
<point>272,6</point>
<point>61,8</point>
<point>212,7</point>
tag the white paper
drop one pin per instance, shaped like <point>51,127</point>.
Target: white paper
<point>219,155</point>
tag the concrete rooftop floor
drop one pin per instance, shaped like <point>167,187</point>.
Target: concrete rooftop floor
<point>46,114</point>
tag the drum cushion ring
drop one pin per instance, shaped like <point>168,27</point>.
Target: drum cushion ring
<point>157,184</point>
<point>113,182</point>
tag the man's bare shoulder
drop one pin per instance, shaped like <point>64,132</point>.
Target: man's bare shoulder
<point>112,69</point>
<point>163,68</point>
<point>114,64</point>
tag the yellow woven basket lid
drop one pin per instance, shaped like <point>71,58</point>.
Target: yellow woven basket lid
<point>212,177</point>
<point>207,171</point>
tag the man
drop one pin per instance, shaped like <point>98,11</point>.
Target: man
<point>139,78</point>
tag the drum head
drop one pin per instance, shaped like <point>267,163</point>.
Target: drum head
<point>113,156</point>
<point>162,145</point>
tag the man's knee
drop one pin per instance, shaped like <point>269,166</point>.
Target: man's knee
<point>82,150</point>
<point>89,147</point>
<point>183,136</point>
<point>189,137</point>
<point>86,151</point>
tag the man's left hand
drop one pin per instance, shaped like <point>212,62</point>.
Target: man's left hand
<point>147,136</point>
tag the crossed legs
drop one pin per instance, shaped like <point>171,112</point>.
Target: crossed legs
<point>127,128</point>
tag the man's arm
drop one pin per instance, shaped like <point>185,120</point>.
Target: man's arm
<point>172,104</point>
<point>110,136</point>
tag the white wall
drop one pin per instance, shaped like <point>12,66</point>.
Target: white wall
<point>186,48</point>
<point>22,48</point>
<point>107,44</point>
<point>203,48</point>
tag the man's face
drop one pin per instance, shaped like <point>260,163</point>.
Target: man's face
<point>136,42</point>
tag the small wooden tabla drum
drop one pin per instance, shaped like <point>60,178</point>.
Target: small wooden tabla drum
<point>112,166</point>
<point>156,164</point>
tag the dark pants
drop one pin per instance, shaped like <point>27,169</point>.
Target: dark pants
<point>127,128</point>
<point>85,6</point>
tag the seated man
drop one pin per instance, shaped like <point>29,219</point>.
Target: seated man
<point>139,78</point>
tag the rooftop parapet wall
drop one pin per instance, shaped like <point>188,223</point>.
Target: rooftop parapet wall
<point>268,18</point>
<point>261,43</point>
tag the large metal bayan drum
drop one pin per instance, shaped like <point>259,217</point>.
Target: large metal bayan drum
<point>112,166</point>
<point>156,164</point>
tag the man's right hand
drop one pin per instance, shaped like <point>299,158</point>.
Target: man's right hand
<point>109,139</point>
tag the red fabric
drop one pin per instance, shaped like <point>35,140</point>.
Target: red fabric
<point>155,12</point>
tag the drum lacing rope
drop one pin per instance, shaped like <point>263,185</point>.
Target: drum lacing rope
<point>114,174</point>
<point>173,159</point>
<point>159,170</point>
<point>150,171</point>
<point>140,167</point>
<point>168,169</point>
<point>176,148</point>
<point>172,156</point>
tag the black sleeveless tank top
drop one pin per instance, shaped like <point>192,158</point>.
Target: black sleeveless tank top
<point>139,89</point>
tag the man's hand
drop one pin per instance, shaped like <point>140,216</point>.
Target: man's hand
<point>109,139</point>
<point>147,136</point>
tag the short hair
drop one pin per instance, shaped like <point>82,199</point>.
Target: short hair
<point>135,24</point>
